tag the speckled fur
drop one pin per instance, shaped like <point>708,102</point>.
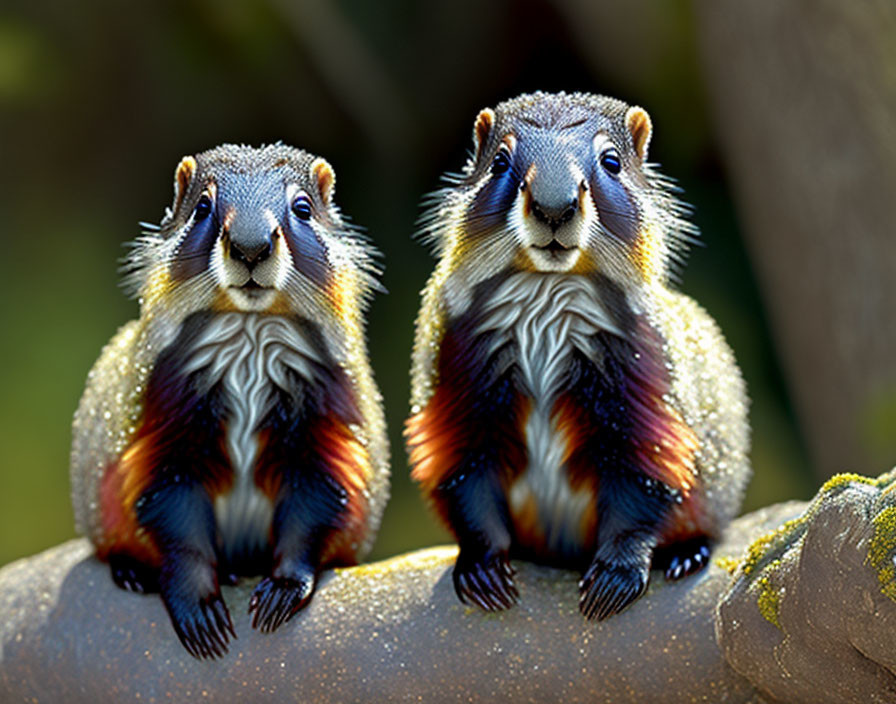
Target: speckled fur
<point>255,354</point>
<point>537,313</point>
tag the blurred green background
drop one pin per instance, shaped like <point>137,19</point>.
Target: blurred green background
<point>100,99</point>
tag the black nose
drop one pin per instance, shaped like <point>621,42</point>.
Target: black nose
<point>554,217</point>
<point>250,254</point>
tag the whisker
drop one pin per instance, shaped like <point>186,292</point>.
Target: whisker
<point>187,257</point>
<point>619,213</point>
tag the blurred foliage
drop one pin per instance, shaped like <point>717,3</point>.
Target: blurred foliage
<point>98,101</point>
<point>877,423</point>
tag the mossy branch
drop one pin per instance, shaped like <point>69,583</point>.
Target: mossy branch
<point>395,629</point>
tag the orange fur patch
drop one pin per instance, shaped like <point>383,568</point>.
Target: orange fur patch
<point>120,488</point>
<point>574,424</point>
<point>439,436</point>
<point>338,451</point>
<point>350,466</point>
<point>527,526</point>
<point>687,520</point>
<point>647,255</point>
<point>125,481</point>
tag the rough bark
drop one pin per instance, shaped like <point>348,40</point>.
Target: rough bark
<point>804,95</point>
<point>811,616</point>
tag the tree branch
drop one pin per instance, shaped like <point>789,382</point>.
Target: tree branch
<point>808,616</point>
<point>393,629</point>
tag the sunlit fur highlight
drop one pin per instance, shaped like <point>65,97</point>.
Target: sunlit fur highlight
<point>616,424</point>
<point>115,442</point>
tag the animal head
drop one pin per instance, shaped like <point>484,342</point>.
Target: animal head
<point>560,183</point>
<point>252,230</point>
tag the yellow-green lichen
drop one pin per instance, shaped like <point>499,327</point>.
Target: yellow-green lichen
<point>728,563</point>
<point>762,548</point>
<point>887,482</point>
<point>769,602</point>
<point>838,481</point>
<point>757,550</point>
<point>790,531</point>
<point>881,549</point>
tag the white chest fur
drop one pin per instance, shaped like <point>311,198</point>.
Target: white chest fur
<point>546,318</point>
<point>250,357</point>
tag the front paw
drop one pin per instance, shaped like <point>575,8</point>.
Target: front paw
<point>682,559</point>
<point>608,587</point>
<point>132,575</point>
<point>277,599</point>
<point>486,580</point>
<point>203,626</point>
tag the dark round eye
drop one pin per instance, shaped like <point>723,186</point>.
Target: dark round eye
<point>610,161</point>
<point>301,208</point>
<point>501,164</point>
<point>202,209</point>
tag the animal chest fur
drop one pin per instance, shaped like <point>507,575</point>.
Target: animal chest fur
<point>251,361</point>
<point>540,321</point>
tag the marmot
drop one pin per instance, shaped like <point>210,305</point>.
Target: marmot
<point>235,428</point>
<point>568,406</point>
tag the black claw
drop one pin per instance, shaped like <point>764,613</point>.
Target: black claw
<point>486,581</point>
<point>682,559</point>
<point>228,578</point>
<point>204,627</point>
<point>222,622</point>
<point>607,588</point>
<point>207,645</point>
<point>188,638</point>
<point>494,586</point>
<point>277,599</point>
<point>133,576</point>
<point>222,618</point>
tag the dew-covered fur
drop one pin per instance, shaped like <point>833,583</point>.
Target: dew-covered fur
<point>593,414</point>
<point>236,426</point>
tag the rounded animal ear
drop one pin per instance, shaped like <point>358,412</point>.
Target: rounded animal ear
<point>325,178</point>
<point>183,174</point>
<point>482,128</point>
<point>637,121</point>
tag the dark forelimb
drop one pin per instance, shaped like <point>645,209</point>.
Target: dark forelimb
<point>473,499</point>
<point>475,503</point>
<point>308,511</point>
<point>311,504</point>
<point>632,505</point>
<point>179,442</point>
<point>178,513</point>
<point>631,510</point>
